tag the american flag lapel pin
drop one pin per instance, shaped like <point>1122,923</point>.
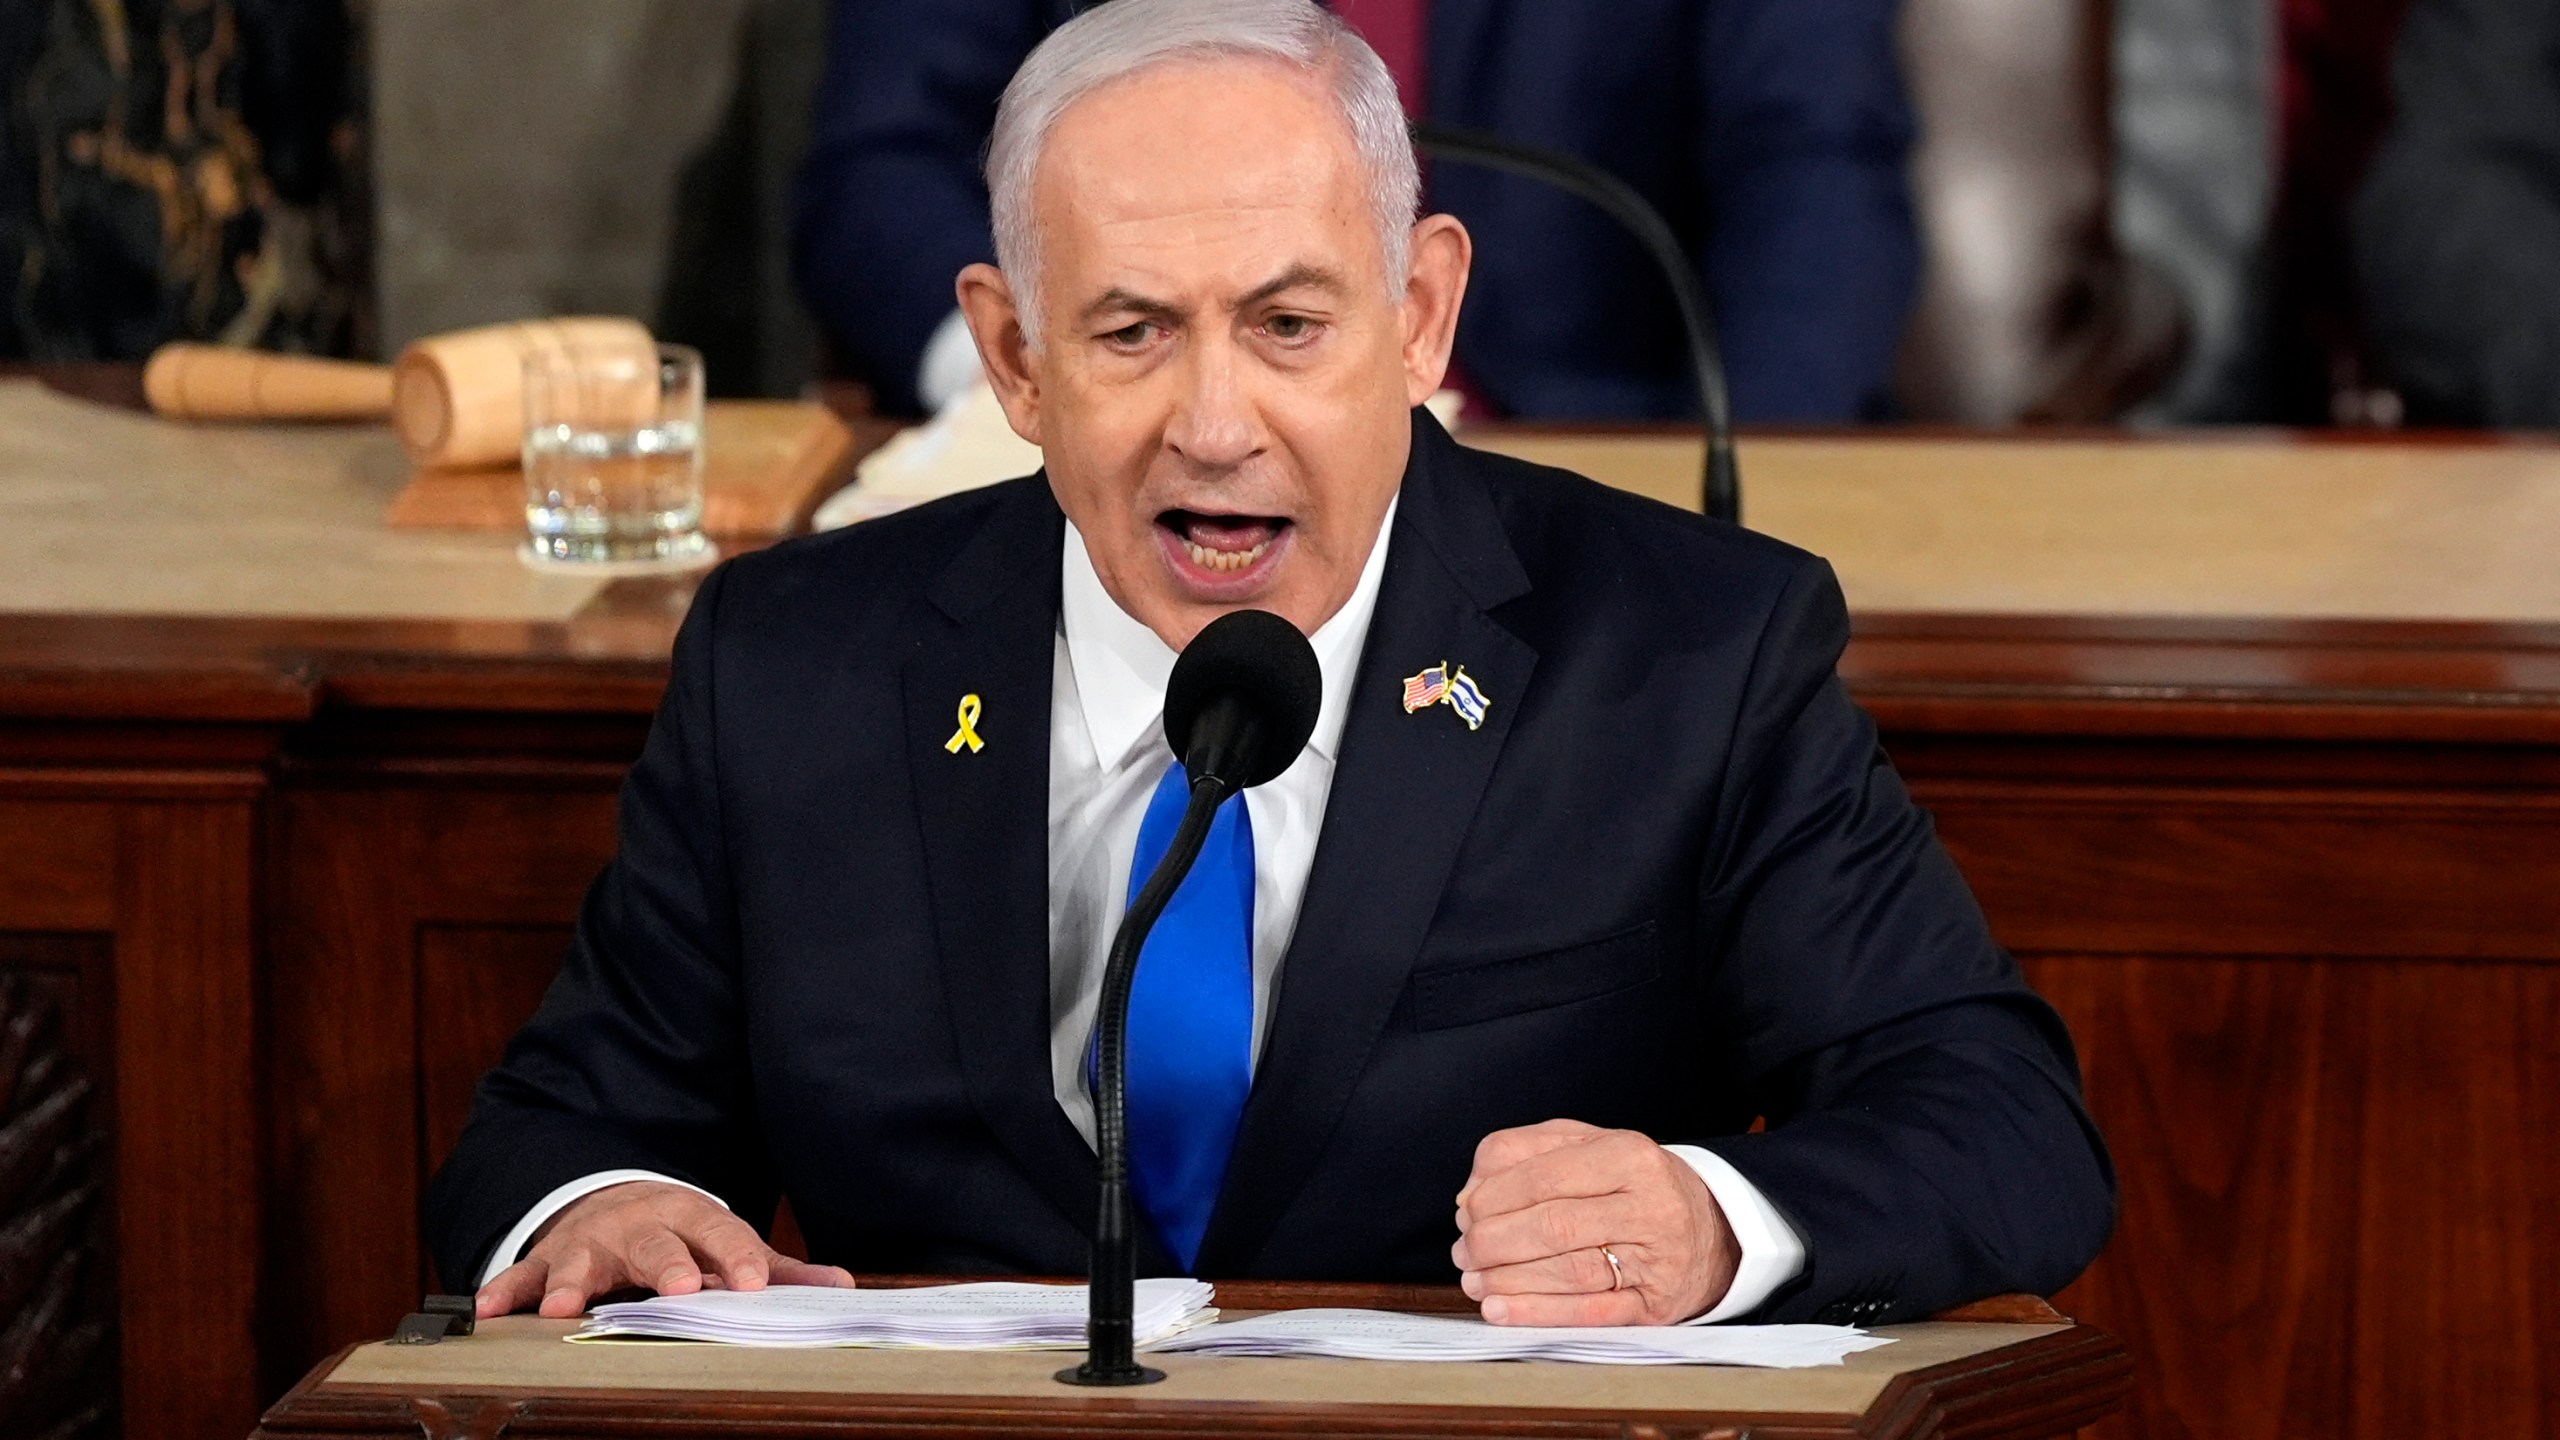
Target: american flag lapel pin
<point>1427,689</point>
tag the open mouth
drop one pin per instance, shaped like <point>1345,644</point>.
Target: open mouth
<point>1221,550</point>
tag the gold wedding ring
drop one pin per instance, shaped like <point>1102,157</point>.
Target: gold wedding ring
<point>1617,1272</point>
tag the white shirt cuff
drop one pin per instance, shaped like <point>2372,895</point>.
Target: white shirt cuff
<point>950,366</point>
<point>511,1248</point>
<point>1772,1251</point>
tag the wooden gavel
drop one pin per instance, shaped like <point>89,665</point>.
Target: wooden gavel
<point>456,400</point>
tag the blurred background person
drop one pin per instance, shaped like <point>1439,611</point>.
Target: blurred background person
<point>1773,134</point>
<point>2458,227</point>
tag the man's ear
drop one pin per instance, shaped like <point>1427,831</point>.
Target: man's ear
<point>1443,254</point>
<point>986,300</point>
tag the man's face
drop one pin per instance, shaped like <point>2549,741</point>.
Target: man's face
<point>1223,390</point>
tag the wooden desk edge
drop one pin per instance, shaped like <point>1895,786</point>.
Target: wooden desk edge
<point>2049,1386</point>
<point>2048,675</point>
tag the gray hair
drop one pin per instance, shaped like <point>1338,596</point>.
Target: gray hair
<point>1113,42</point>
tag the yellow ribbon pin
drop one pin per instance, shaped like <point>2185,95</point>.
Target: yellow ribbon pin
<point>970,710</point>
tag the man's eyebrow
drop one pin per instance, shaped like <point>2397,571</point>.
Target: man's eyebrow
<point>1117,301</point>
<point>1120,301</point>
<point>1296,277</point>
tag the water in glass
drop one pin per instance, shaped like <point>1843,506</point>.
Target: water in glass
<point>613,457</point>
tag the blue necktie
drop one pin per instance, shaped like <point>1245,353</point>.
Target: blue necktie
<point>1190,1020</point>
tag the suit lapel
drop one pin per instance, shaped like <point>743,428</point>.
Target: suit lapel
<point>1405,791</point>
<point>984,817</point>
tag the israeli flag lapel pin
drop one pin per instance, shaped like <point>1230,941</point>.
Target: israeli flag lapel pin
<point>1444,684</point>
<point>1468,699</point>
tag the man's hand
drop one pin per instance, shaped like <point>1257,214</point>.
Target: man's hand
<point>1545,1198</point>
<point>642,1233</point>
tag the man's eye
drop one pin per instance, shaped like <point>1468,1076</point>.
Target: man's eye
<point>1289,329</point>
<point>1129,337</point>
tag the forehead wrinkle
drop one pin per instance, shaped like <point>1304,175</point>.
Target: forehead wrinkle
<point>1187,228</point>
<point>1183,231</point>
<point>1129,282</point>
<point>1109,195</point>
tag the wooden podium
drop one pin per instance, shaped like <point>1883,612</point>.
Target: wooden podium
<point>2020,1371</point>
<point>2248,743</point>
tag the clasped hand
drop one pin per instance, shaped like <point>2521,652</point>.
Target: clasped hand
<point>1544,1199</point>
<point>646,1234</point>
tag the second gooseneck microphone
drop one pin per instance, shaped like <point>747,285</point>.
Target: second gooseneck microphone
<point>1720,493</point>
<point>1239,707</point>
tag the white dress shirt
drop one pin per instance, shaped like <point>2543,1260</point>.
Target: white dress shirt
<point>1107,754</point>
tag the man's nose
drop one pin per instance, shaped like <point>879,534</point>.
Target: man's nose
<point>1215,423</point>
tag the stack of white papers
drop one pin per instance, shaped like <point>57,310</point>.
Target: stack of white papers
<point>997,1316</point>
<point>1380,1335</point>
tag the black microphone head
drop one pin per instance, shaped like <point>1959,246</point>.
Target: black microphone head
<point>1243,699</point>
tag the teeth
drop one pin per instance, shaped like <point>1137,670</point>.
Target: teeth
<point>1225,561</point>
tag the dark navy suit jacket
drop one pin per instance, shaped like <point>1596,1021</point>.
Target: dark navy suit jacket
<point>1773,134</point>
<point>1671,885</point>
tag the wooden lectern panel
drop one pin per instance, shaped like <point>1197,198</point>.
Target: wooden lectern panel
<point>517,1375</point>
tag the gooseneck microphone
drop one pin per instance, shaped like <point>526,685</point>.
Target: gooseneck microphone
<point>1239,707</point>
<point>1722,485</point>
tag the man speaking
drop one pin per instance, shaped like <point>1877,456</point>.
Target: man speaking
<point>1590,863</point>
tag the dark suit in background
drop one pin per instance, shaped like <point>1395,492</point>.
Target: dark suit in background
<point>2458,227</point>
<point>1773,133</point>
<point>1672,885</point>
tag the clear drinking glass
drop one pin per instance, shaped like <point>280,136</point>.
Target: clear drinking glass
<point>613,456</point>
